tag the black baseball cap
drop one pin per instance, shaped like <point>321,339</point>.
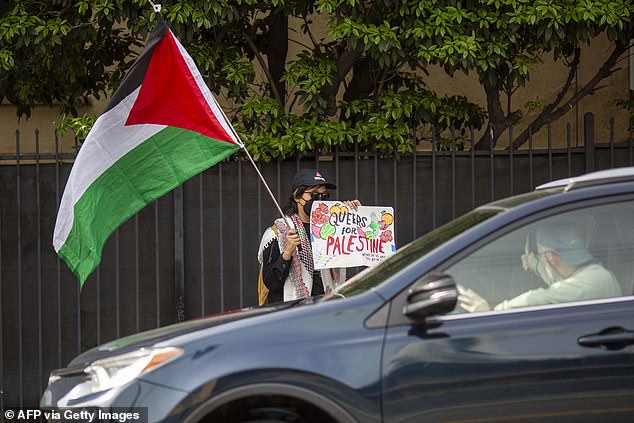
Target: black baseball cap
<point>308,178</point>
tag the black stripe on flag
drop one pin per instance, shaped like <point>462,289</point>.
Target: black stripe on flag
<point>135,75</point>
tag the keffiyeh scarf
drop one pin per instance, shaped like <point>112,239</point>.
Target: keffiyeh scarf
<point>301,256</point>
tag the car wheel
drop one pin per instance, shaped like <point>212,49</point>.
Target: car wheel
<point>268,409</point>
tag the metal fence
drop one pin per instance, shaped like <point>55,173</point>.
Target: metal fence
<point>193,252</point>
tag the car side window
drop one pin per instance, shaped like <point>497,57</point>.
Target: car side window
<point>573,256</point>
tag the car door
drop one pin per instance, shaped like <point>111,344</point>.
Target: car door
<point>566,360</point>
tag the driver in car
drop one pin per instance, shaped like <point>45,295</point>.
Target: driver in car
<point>570,272</point>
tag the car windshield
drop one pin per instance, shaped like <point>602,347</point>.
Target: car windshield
<point>373,276</point>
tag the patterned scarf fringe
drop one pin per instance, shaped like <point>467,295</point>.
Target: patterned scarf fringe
<point>303,257</point>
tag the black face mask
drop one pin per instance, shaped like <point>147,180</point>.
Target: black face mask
<point>307,207</point>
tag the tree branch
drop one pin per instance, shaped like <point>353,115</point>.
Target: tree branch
<point>345,62</point>
<point>553,111</point>
<point>265,68</point>
<point>310,34</point>
<point>574,65</point>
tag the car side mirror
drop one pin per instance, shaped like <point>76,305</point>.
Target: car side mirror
<point>433,295</point>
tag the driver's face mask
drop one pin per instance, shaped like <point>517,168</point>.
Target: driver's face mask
<point>546,272</point>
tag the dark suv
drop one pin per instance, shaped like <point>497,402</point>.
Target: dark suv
<point>405,341</point>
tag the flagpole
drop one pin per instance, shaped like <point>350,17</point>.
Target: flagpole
<point>157,9</point>
<point>277,205</point>
<point>279,209</point>
<point>155,6</point>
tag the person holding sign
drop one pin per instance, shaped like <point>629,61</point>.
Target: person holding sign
<point>285,253</point>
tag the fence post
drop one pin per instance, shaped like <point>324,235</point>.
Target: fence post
<point>588,140</point>
<point>18,204</point>
<point>179,255</point>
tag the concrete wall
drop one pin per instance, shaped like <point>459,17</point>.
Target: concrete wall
<point>43,118</point>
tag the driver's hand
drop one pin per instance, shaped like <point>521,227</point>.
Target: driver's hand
<point>471,301</point>
<point>528,261</point>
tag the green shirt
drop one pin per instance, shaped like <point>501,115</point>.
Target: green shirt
<point>586,283</point>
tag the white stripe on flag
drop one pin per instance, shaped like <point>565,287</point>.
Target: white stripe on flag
<point>107,142</point>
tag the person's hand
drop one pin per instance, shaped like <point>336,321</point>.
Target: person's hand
<point>527,261</point>
<point>353,204</point>
<point>471,301</point>
<point>528,258</point>
<point>292,241</point>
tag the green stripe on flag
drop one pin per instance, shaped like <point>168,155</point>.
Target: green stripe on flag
<point>147,172</point>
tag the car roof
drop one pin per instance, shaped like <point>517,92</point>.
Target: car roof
<point>602,177</point>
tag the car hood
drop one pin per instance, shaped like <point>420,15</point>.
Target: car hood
<point>154,336</point>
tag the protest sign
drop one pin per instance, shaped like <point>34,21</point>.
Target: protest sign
<point>344,237</point>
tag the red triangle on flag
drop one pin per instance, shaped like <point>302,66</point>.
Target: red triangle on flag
<point>169,95</point>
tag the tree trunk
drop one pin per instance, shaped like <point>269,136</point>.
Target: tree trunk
<point>498,122</point>
<point>361,84</point>
<point>277,50</point>
<point>265,67</point>
<point>345,62</point>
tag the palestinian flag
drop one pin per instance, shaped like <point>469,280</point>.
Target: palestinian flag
<point>161,127</point>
